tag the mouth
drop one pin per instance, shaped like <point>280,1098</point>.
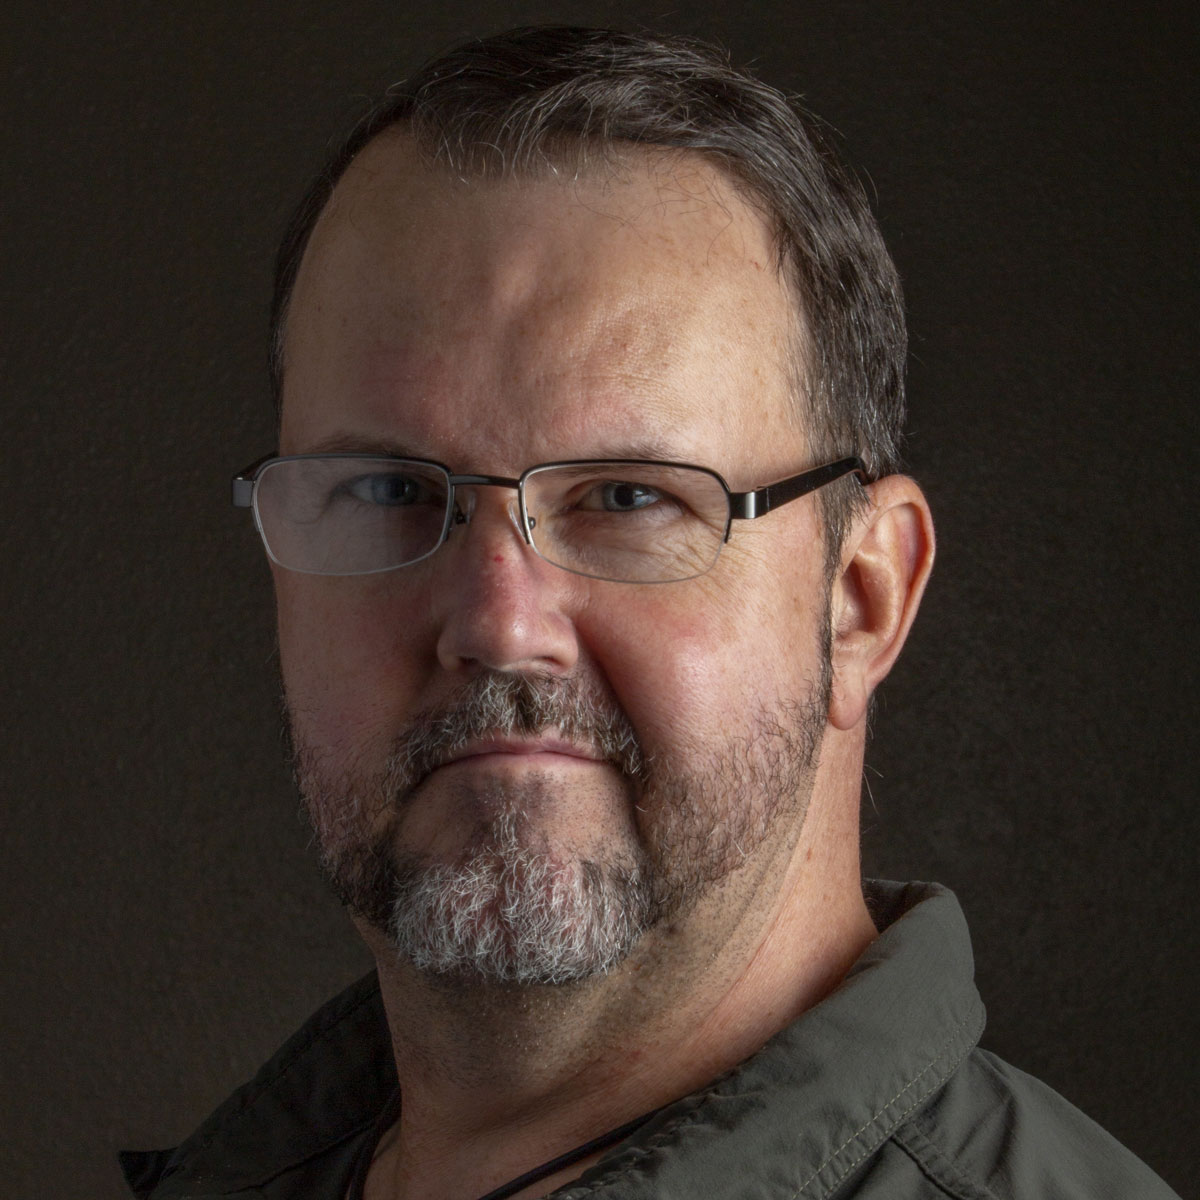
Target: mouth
<point>507,751</point>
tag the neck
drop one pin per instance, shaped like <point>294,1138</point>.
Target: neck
<point>497,1080</point>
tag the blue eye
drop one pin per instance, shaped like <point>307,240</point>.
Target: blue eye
<point>387,489</point>
<point>621,496</point>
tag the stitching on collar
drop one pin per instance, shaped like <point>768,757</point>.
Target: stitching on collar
<point>976,1013</point>
<point>696,1112</point>
<point>936,1165</point>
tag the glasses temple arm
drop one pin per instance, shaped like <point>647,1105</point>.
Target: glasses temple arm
<point>748,505</point>
<point>243,481</point>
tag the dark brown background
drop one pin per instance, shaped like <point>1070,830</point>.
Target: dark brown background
<point>163,926</point>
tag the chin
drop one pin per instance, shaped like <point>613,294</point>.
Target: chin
<point>509,914</point>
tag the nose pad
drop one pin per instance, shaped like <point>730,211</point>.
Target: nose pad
<point>463,517</point>
<point>514,515</point>
<point>505,613</point>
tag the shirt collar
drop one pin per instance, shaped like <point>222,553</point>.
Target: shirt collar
<point>816,1100</point>
<point>823,1093</point>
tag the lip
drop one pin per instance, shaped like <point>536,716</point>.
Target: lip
<point>516,749</point>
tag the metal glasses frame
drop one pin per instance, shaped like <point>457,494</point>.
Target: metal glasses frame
<point>743,506</point>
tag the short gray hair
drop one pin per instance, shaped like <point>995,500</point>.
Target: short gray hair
<point>514,103</point>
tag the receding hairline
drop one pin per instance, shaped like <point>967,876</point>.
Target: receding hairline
<point>568,159</point>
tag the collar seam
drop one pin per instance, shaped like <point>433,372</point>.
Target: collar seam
<point>944,1054</point>
<point>937,1166</point>
<point>947,1050</point>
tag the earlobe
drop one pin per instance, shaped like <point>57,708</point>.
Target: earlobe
<point>885,564</point>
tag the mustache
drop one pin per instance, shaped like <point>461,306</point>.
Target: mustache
<point>496,703</point>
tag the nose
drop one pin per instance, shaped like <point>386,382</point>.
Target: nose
<point>499,605</point>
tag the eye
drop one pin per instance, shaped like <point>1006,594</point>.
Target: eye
<point>620,495</point>
<point>387,489</point>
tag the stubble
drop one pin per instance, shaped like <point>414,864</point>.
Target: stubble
<point>513,909</point>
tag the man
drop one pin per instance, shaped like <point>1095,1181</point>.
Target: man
<point>590,550</point>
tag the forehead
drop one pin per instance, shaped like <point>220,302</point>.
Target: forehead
<point>544,317</point>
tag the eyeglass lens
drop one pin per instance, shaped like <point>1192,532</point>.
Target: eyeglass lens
<point>632,522</point>
<point>350,516</point>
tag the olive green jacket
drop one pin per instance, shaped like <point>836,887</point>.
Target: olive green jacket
<point>877,1093</point>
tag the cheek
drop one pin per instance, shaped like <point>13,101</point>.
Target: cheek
<point>684,673</point>
<point>695,667</point>
<point>348,672</point>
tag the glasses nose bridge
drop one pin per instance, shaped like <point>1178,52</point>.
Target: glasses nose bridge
<point>516,514</point>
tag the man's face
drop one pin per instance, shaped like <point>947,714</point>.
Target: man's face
<point>483,735</point>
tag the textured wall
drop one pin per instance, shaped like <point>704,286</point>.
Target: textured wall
<point>163,928</point>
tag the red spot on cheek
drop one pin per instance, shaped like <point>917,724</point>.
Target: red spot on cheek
<point>498,558</point>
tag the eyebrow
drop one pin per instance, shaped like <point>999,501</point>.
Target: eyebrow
<point>348,443</point>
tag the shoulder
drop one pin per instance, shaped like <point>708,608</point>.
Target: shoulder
<point>995,1133</point>
<point>292,1130</point>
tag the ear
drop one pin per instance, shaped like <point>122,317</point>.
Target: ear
<point>885,564</point>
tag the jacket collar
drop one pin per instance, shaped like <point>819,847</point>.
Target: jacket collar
<point>322,1089</point>
<point>824,1093</point>
<point>807,1109</point>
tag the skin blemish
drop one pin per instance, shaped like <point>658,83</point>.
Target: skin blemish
<point>499,558</point>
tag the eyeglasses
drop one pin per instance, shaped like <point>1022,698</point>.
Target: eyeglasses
<point>623,520</point>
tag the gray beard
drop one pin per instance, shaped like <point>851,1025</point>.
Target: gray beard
<point>508,913</point>
<point>511,910</point>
